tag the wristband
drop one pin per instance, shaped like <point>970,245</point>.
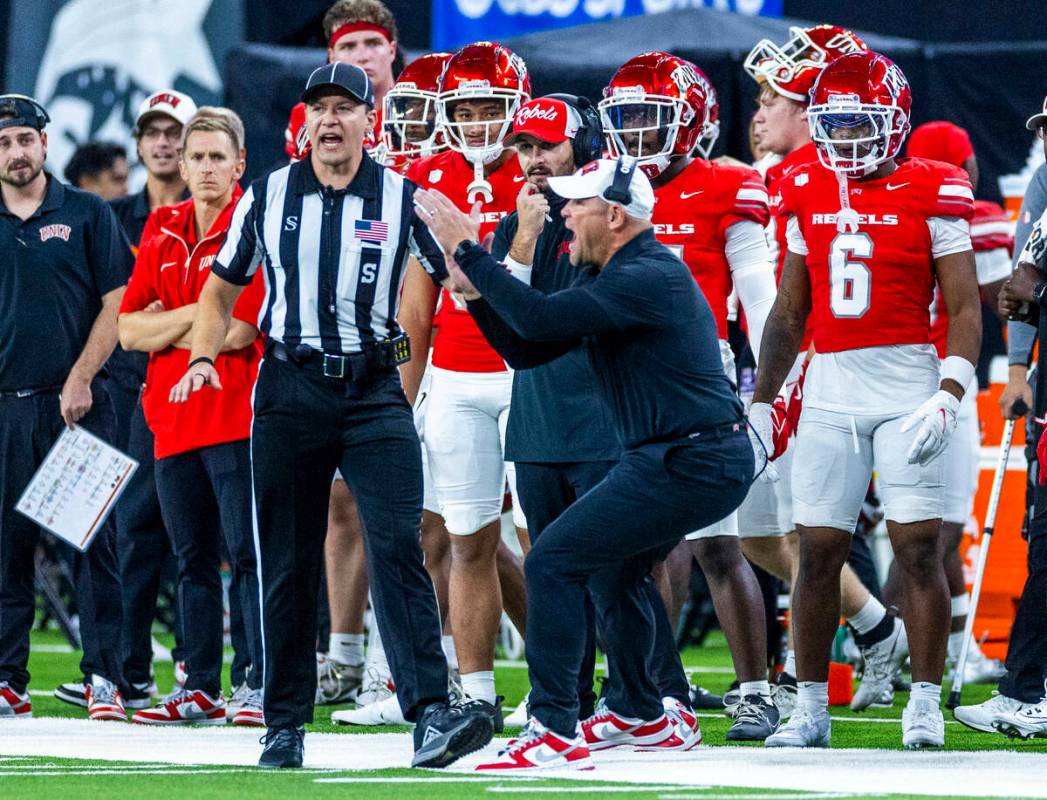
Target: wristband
<point>200,360</point>
<point>959,369</point>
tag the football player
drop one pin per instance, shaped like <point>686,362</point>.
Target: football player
<point>868,235</point>
<point>786,76</point>
<point>662,110</point>
<point>992,236</point>
<point>480,90</point>
<point>409,128</point>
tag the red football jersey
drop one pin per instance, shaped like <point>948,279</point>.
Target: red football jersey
<point>459,345</point>
<point>874,287</point>
<point>692,213</point>
<point>773,178</point>
<point>991,229</point>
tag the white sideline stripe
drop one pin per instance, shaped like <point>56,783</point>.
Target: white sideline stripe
<point>764,796</point>
<point>52,648</point>
<point>586,789</point>
<point>602,665</point>
<point>50,773</point>
<point>458,779</point>
<point>997,773</point>
<point>713,715</point>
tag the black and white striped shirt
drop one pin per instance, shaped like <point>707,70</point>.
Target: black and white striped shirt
<point>334,261</point>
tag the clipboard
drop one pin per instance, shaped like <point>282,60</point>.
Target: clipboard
<point>76,487</point>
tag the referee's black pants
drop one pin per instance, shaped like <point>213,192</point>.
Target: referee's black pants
<point>205,496</point>
<point>305,426</point>
<point>607,542</point>
<point>546,490</point>
<point>29,426</point>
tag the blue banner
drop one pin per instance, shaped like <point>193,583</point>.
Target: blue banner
<point>458,22</point>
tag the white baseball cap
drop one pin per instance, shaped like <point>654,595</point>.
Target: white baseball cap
<point>633,191</point>
<point>180,107</point>
<point>1036,120</point>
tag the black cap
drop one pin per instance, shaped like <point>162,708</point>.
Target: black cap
<point>19,111</point>
<point>348,77</point>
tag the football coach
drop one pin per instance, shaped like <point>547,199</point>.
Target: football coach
<point>686,459</point>
<point>333,233</point>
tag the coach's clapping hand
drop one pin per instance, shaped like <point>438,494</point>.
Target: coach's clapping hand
<point>448,225</point>
<point>196,378</point>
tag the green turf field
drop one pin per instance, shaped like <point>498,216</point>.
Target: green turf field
<point>23,775</point>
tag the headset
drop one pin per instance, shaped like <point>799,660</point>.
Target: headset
<point>16,104</point>
<point>618,191</point>
<point>587,144</point>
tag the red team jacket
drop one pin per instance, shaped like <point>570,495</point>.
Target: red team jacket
<point>874,287</point>
<point>459,346</point>
<point>172,267</point>
<point>692,213</point>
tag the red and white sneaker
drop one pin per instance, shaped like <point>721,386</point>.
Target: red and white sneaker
<point>14,705</point>
<point>250,714</point>
<point>184,707</point>
<point>537,747</point>
<point>104,701</point>
<point>605,729</point>
<point>687,735</point>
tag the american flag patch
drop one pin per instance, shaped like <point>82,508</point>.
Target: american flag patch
<point>369,230</point>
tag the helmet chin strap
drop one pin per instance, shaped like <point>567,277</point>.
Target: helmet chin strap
<point>846,217</point>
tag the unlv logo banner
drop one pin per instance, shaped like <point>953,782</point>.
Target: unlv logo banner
<point>101,58</point>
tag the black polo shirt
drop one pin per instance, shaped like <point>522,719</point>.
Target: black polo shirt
<point>57,265</point>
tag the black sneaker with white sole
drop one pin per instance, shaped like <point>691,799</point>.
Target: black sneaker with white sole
<point>74,693</point>
<point>283,748</point>
<point>493,711</point>
<point>444,733</point>
<point>755,719</point>
<point>704,700</point>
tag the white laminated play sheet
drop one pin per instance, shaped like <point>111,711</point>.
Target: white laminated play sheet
<point>77,486</point>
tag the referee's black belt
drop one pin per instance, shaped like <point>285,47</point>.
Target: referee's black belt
<point>381,357</point>
<point>29,392</point>
<point>722,431</point>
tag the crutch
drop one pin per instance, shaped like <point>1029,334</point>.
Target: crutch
<point>983,555</point>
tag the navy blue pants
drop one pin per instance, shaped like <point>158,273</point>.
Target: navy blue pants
<point>28,428</point>
<point>143,548</point>
<point>205,496</point>
<point>546,490</point>
<point>606,542</point>
<point>305,426</point>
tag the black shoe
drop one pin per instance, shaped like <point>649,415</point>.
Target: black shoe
<point>74,693</point>
<point>492,711</point>
<point>444,733</point>
<point>284,748</point>
<point>704,700</point>
<point>754,720</point>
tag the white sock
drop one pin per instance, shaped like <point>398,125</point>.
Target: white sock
<point>869,617</point>
<point>790,663</point>
<point>955,643</point>
<point>346,648</point>
<point>375,651</point>
<point>960,604</point>
<point>479,685</point>
<point>762,688</point>
<point>921,690</point>
<point>449,652</point>
<point>813,695</point>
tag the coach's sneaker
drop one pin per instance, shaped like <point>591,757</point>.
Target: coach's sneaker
<point>519,715</point>
<point>493,711</point>
<point>336,682</point>
<point>376,685</point>
<point>783,695</point>
<point>754,720</point>
<point>14,705</point>
<point>731,698</point>
<point>687,734</point>
<point>74,693</point>
<point>236,699</point>
<point>881,663</point>
<point>283,748</point>
<point>250,714</point>
<point>184,707</point>
<point>922,725</point>
<point>979,667</point>
<point>1027,723</point>
<point>536,748</point>
<point>140,695</point>
<point>444,733</point>
<point>980,716</point>
<point>606,729</point>
<point>104,701</point>
<point>805,728</point>
<point>704,700</point>
<point>384,712</point>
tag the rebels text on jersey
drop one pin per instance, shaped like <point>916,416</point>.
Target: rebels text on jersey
<point>873,287</point>
<point>459,345</point>
<point>692,213</point>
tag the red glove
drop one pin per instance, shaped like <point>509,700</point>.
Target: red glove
<point>785,414</point>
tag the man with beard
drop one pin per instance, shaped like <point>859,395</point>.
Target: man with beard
<point>66,267</point>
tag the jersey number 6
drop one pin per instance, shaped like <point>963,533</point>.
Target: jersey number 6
<point>850,281</point>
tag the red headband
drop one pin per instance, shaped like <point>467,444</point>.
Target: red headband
<point>352,27</point>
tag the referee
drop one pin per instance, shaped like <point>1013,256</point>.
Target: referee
<point>333,233</point>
